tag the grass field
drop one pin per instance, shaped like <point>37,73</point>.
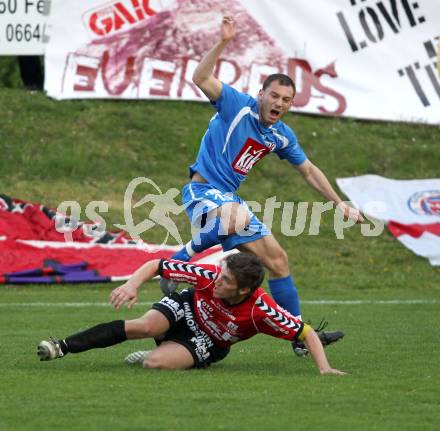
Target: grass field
<point>390,350</point>
<point>90,150</point>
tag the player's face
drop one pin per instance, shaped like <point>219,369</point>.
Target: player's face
<point>226,286</point>
<point>274,102</point>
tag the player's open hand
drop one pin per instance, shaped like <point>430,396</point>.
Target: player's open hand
<point>228,28</point>
<point>126,293</point>
<point>350,212</point>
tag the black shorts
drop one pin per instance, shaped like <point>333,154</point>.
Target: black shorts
<point>178,309</point>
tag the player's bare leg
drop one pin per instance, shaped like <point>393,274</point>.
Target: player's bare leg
<point>275,259</point>
<point>169,356</point>
<point>152,324</point>
<point>228,219</point>
<point>270,252</point>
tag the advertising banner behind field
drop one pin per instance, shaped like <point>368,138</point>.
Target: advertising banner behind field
<point>23,27</point>
<point>411,209</point>
<point>358,58</point>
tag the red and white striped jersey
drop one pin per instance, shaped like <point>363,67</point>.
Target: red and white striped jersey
<point>227,324</point>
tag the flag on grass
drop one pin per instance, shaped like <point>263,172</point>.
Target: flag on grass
<point>411,209</point>
<point>33,251</point>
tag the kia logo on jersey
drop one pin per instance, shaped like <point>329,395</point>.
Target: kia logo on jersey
<point>251,153</point>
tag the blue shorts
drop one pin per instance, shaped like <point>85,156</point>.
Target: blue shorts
<point>201,198</point>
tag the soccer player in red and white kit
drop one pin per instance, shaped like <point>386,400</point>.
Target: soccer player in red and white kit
<point>197,326</point>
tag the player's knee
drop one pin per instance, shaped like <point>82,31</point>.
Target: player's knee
<point>140,328</point>
<point>156,361</point>
<point>235,220</point>
<point>152,362</point>
<point>236,224</point>
<point>278,264</point>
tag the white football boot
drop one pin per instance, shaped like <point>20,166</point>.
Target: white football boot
<point>137,357</point>
<point>49,349</point>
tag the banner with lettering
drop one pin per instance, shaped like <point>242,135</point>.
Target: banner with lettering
<point>372,59</point>
<point>411,209</point>
<point>23,26</point>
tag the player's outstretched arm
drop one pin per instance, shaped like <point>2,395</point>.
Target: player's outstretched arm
<point>128,291</point>
<point>317,179</point>
<point>203,75</point>
<point>316,350</point>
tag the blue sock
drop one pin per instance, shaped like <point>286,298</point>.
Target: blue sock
<point>204,239</point>
<point>182,254</point>
<point>285,294</point>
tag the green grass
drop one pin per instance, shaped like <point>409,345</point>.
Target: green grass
<point>390,350</point>
<point>90,150</point>
<point>10,73</point>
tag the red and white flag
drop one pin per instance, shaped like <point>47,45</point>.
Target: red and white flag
<point>411,209</point>
<point>32,250</point>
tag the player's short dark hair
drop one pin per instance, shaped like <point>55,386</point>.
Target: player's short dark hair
<point>281,78</point>
<point>247,270</point>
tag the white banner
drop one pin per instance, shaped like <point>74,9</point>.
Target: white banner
<point>410,207</point>
<point>23,27</point>
<point>405,201</point>
<point>359,58</point>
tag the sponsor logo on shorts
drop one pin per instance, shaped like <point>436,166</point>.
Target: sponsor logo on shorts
<point>201,349</point>
<point>173,306</point>
<point>201,341</point>
<point>216,194</point>
<point>189,317</point>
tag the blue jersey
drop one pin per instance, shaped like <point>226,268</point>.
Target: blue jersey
<point>236,140</point>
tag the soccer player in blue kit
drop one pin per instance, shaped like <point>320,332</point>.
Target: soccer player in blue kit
<point>240,134</point>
